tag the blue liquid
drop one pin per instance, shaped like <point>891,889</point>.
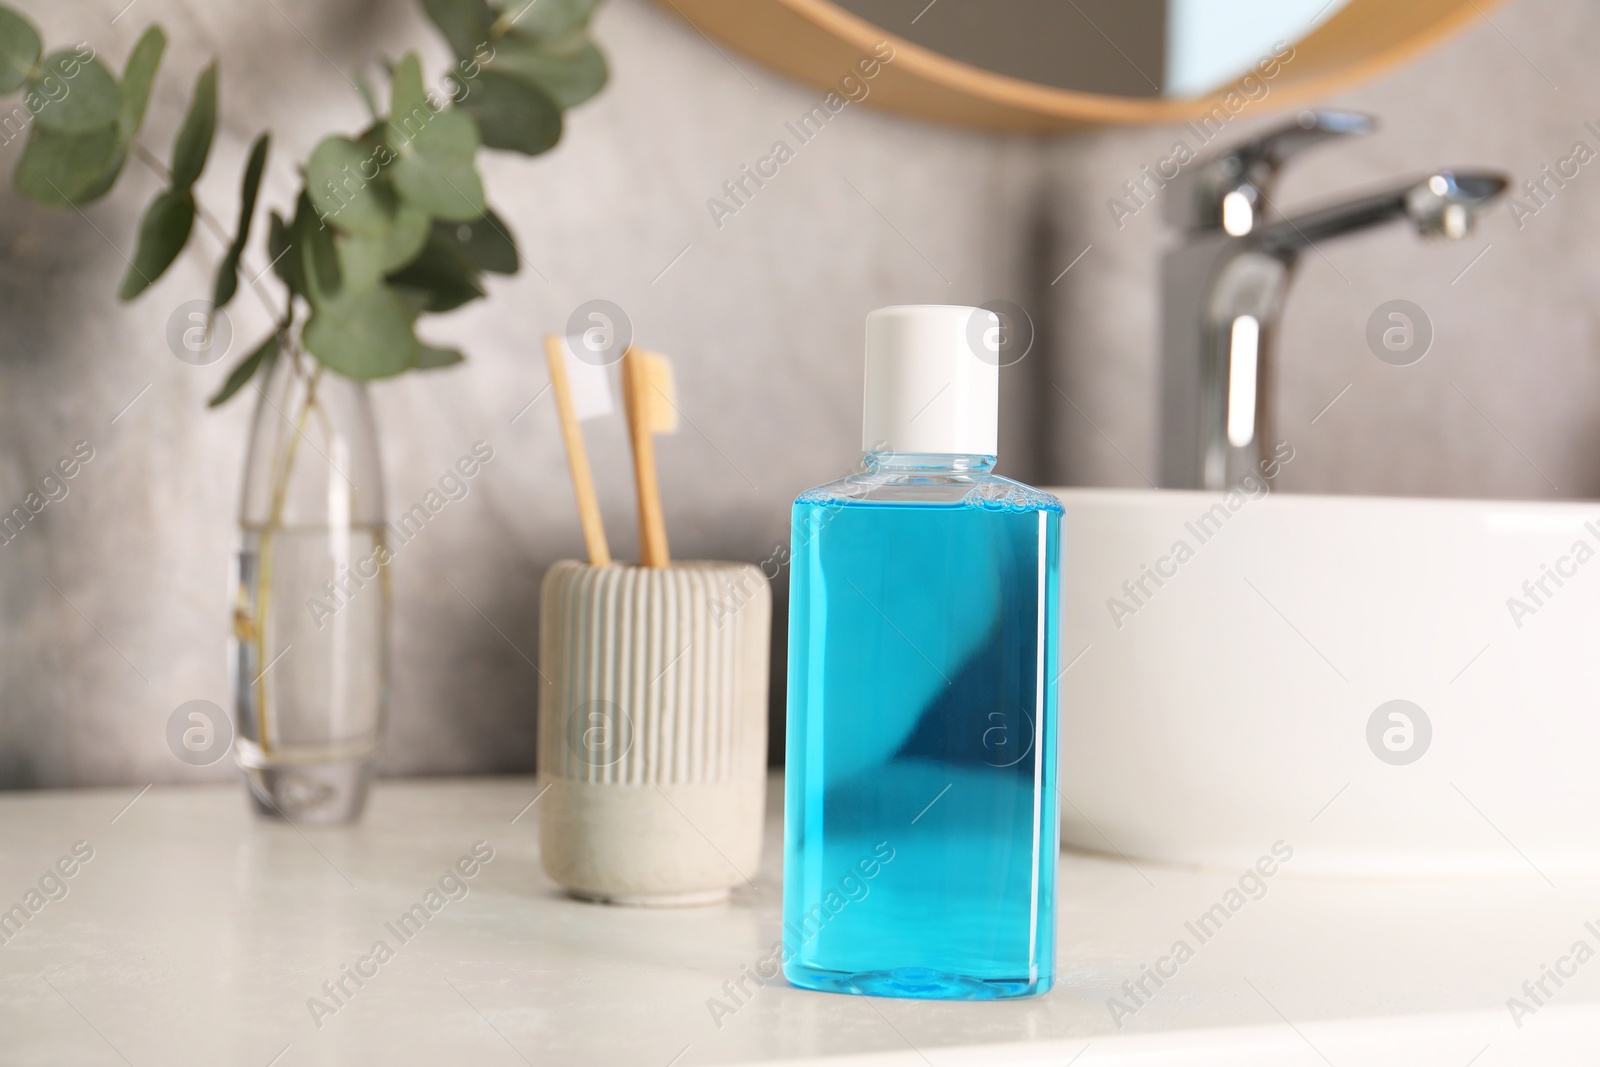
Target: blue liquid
<point>921,810</point>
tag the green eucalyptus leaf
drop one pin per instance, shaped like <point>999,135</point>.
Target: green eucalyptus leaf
<point>359,327</point>
<point>108,176</point>
<point>162,235</point>
<point>228,273</point>
<point>429,357</point>
<point>546,16</point>
<point>404,240</point>
<point>439,177</point>
<point>19,50</point>
<point>372,139</point>
<point>512,114</point>
<point>464,23</point>
<point>283,241</point>
<point>77,168</point>
<point>440,279</point>
<point>411,106</point>
<point>319,259</point>
<point>74,93</point>
<point>260,359</point>
<point>487,244</point>
<point>435,149</point>
<point>363,333</point>
<point>568,70</point>
<point>138,77</point>
<point>361,262</point>
<point>344,181</point>
<point>66,169</point>
<point>199,126</point>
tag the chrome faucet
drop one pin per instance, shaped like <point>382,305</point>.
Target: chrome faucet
<point>1223,288</point>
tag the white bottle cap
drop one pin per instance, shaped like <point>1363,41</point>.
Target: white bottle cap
<point>933,380</point>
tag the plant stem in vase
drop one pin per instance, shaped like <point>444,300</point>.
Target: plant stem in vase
<point>311,596</point>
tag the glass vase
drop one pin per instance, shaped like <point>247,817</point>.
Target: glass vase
<point>309,655</point>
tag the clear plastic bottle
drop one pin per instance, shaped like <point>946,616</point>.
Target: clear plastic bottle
<point>921,808</point>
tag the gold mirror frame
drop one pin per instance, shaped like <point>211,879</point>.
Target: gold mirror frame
<point>818,42</point>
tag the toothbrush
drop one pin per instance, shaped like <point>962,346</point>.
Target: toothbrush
<point>594,531</point>
<point>648,393</point>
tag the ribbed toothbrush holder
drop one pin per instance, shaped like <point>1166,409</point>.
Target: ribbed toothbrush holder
<point>653,729</point>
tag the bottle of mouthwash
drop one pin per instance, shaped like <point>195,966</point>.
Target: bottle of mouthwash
<point>920,818</point>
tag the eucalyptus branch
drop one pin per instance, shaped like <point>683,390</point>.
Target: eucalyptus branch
<point>154,164</point>
<point>160,170</point>
<point>392,222</point>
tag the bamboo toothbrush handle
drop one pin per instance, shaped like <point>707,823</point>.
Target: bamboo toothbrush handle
<point>594,531</point>
<point>652,527</point>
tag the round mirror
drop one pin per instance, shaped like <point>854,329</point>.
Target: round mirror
<point>1049,65</point>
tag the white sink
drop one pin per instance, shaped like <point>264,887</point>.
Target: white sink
<point>1229,708</point>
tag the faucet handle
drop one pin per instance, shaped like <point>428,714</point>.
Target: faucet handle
<point>1229,191</point>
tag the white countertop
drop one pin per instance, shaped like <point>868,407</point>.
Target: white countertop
<point>195,934</point>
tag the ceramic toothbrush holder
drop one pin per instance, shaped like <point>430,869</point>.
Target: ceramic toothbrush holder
<point>653,729</point>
